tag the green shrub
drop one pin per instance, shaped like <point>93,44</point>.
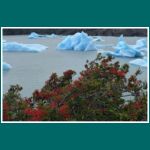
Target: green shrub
<point>99,94</point>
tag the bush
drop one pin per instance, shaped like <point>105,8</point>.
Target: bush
<point>99,94</point>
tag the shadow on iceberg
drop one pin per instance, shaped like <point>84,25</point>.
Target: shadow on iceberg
<point>79,42</point>
<point>122,49</point>
<point>20,47</point>
<point>6,66</point>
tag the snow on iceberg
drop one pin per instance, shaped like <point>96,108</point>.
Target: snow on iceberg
<point>20,47</point>
<point>122,49</point>
<point>78,42</point>
<point>34,35</point>
<point>139,62</point>
<point>6,66</point>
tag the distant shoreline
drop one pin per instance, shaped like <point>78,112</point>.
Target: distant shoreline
<point>93,32</point>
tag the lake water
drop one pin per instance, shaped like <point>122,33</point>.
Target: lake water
<point>31,70</point>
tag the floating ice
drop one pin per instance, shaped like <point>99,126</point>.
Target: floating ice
<point>97,38</point>
<point>52,35</point>
<point>141,43</point>
<point>19,47</point>
<point>34,35</point>
<point>124,50</point>
<point>139,62</point>
<point>6,66</point>
<point>78,42</point>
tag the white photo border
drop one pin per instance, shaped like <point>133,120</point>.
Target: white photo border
<point>147,28</point>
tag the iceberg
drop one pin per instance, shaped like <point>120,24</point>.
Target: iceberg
<point>20,47</point>
<point>141,44</point>
<point>139,62</point>
<point>52,35</point>
<point>78,42</point>
<point>97,38</point>
<point>6,66</point>
<point>122,49</point>
<point>34,35</point>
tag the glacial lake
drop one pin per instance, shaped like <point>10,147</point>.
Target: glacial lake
<point>31,70</point>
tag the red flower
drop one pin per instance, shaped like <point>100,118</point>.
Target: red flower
<point>121,73</point>
<point>45,95</point>
<point>74,96</point>
<point>28,100</point>
<point>5,106</point>
<point>5,111</point>
<point>137,105</point>
<point>69,87</point>
<point>42,95</point>
<point>57,91</point>
<point>64,111</point>
<point>28,111</point>
<point>53,105</point>
<point>104,63</point>
<point>68,73</point>
<point>58,98</point>
<point>34,114</point>
<point>113,70</point>
<point>77,84</point>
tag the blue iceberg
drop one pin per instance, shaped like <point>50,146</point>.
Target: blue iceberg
<point>34,35</point>
<point>6,66</point>
<point>141,44</point>
<point>52,35</point>
<point>139,62</point>
<point>78,42</point>
<point>20,47</point>
<point>122,49</point>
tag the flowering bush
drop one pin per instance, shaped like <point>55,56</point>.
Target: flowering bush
<point>99,94</point>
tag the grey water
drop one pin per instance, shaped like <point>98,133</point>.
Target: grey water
<point>31,70</point>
